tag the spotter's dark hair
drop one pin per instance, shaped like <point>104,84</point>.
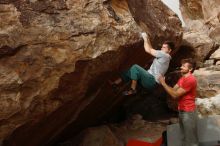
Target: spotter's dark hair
<point>191,62</point>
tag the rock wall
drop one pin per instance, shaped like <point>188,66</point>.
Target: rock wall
<point>199,43</point>
<point>150,16</point>
<point>208,90</point>
<point>202,20</point>
<point>202,26</point>
<point>201,37</point>
<point>55,57</point>
<point>119,134</point>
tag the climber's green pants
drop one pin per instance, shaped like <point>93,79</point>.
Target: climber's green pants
<point>141,75</point>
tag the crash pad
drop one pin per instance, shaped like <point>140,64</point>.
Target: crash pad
<point>135,142</point>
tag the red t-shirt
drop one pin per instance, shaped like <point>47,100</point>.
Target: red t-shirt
<point>187,101</point>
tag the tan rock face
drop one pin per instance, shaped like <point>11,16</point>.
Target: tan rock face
<point>99,136</point>
<point>216,55</point>
<point>10,95</point>
<point>208,82</point>
<point>192,9</point>
<point>119,134</point>
<point>202,34</point>
<point>208,90</point>
<point>202,16</point>
<point>55,56</point>
<point>202,45</point>
<point>202,26</point>
<point>208,106</point>
<point>41,40</point>
<point>153,17</point>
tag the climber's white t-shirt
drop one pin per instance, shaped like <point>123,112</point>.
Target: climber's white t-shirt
<point>160,64</point>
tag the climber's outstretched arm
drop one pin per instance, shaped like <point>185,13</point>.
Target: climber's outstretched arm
<point>147,45</point>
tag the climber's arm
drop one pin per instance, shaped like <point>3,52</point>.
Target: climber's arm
<point>147,45</point>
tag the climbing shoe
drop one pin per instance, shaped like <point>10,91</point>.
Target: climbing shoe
<point>129,92</point>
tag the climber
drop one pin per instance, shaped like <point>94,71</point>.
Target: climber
<point>147,78</point>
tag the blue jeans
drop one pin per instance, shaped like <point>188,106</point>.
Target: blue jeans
<point>188,128</point>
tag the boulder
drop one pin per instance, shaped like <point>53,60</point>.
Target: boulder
<point>56,57</point>
<point>208,82</point>
<point>202,27</point>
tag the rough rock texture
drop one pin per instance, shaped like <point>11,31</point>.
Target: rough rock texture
<point>201,16</point>
<point>97,136</point>
<point>208,90</point>
<point>201,37</point>
<point>151,15</point>
<point>55,57</point>
<point>216,55</point>
<point>202,26</point>
<point>208,106</point>
<point>208,81</point>
<point>200,41</point>
<point>202,45</point>
<point>119,134</point>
